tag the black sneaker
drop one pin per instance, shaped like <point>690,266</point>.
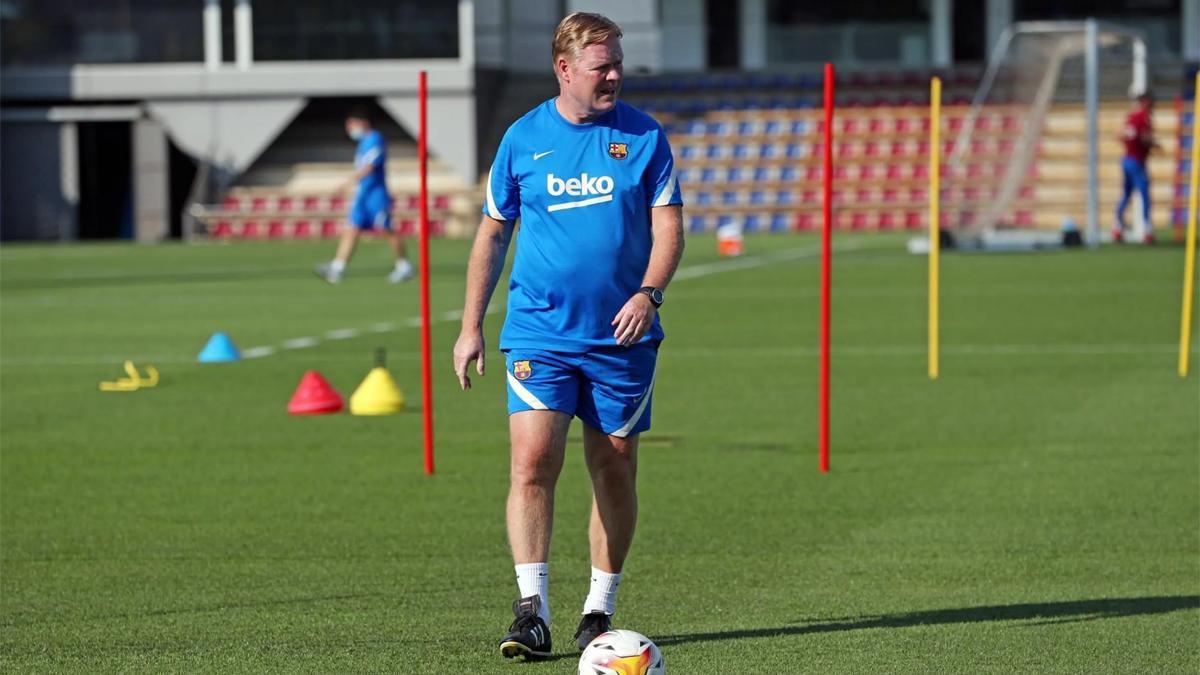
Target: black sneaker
<point>590,626</point>
<point>528,636</point>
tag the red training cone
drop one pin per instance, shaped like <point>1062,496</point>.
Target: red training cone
<point>315,396</point>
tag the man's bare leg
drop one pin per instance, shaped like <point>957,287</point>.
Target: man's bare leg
<point>612,463</point>
<point>402,270</point>
<point>345,248</point>
<point>539,439</point>
<point>399,250</point>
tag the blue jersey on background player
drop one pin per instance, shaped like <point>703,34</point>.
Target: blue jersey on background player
<point>583,193</point>
<point>372,206</point>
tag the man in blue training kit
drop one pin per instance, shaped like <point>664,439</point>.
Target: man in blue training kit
<point>372,206</point>
<point>593,183</point>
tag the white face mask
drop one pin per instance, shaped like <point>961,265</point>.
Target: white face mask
<point>356,133</point>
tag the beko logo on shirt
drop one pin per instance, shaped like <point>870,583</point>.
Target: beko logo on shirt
<point>596,189</point>
<point>582,186</point>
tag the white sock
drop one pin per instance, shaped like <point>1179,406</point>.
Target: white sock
<point>603,595</point>
<point>338,266</point>
<point>402,265</point>
<point>534,579</point>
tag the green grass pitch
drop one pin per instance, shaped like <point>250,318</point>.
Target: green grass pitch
<point>1036,510</point>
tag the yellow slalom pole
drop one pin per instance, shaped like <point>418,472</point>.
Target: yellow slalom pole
<point>1189,265</point>
<point>935,152</point>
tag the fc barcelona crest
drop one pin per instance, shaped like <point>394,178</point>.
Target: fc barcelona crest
<point>522,370</point>
<point>618,150</point>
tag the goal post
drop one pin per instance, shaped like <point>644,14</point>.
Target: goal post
<point>1033,149</point>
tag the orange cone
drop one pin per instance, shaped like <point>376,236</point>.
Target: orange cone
<point>315,396</point>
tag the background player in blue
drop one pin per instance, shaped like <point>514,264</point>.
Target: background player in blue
<point>372,205</point>
<point>593,184</point>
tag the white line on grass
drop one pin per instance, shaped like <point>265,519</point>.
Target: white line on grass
<point>258,352</point>
<point>873,351</point>
<point>752,261</point>
<point>920,350</point>
<point>301,342</point>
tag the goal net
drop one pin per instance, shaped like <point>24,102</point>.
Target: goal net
<point>1038,150</point>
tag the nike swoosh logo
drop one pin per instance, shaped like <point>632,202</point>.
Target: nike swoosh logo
<point>539,155</point>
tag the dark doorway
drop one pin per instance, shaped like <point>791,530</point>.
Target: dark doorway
<point>181,172</point>
<point>724,34</point>
<point>105,180</point>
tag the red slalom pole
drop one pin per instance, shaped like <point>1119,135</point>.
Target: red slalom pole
<point>426,360</point>
<point>826,259</point>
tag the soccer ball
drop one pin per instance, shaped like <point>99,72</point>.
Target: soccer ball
<point>621,652</point>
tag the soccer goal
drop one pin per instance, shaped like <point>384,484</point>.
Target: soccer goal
<point>1037,153</point>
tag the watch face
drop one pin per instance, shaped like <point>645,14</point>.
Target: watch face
<point>656,296</point>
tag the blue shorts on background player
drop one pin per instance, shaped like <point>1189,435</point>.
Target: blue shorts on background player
<point>372,205</point>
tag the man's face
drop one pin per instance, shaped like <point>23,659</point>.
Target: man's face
<point>593,80</point>
<point>355,127</point>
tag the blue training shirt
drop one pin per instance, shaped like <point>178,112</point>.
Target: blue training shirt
<point>372,150</point>
<point>583,193</point>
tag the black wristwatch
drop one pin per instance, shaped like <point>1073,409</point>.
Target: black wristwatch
<point>655,294</point>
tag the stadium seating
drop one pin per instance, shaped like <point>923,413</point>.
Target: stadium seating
<point>306,203</point>
<point>762,167</point>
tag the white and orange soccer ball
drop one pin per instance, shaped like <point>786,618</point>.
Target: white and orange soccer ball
<point>621,652</point>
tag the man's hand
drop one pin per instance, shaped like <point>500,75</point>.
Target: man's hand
<point>468,348</point>
<point>634,319</point>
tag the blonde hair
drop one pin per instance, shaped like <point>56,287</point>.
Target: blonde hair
<point>580,29</point>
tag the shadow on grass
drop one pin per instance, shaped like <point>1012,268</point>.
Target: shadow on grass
<point>1040,613</point>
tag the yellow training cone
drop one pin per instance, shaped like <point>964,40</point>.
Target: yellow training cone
<point>377,395</point>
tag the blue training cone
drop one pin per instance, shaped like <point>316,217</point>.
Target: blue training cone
<point>220,349</point>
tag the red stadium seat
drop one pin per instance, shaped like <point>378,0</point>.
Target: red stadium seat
<point>912,220</point>
<point>329,228</point>
<point>258,204</point>
<point>222,230</point>
<point>886,221</point>
<point>284,204</point>
<point>275,230</point>
<point>311,203</point>
<point>250,230</point>
<point>302,229</point>
<point>806,221</point>
<point>231,204</point>
<point>441,202</point>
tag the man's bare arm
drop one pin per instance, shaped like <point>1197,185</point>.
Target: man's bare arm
<point>483,272</point>
<point>637,316</point>
<point>666,222</point>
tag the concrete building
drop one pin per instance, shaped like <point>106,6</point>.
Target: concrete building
<point>111,109</point>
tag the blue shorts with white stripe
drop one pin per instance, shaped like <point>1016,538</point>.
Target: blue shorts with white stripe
<point>609,388</point>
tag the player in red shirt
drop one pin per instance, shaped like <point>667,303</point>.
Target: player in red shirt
<point>1138,136</point>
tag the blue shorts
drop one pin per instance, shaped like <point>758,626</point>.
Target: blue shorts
<point>371,211</point>
<point>609,388</point>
